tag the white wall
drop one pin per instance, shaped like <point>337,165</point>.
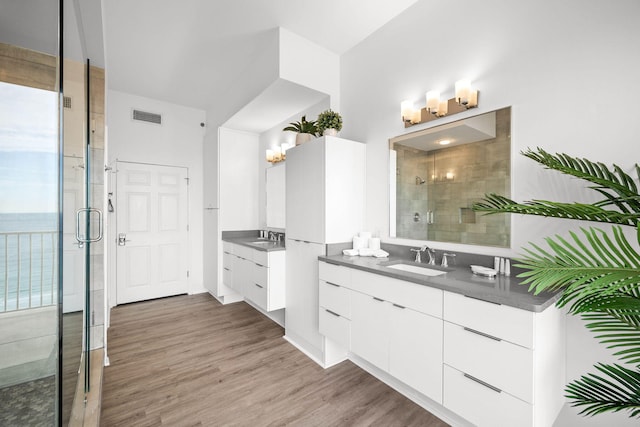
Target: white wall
<point>177,142</point>
<point>567,68</point>
<point>310,65</point>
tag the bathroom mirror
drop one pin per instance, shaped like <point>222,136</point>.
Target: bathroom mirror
<point>438,173</point>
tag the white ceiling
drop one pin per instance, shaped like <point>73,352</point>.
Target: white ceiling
<point>190,52</point>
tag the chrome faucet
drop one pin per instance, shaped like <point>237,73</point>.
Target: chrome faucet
<point>272,235</point>
<point>432,256</point>
<point>418,251</point>
<point>445,262</point>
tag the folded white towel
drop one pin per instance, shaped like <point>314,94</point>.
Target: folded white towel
<point>374,243</point>
<point>380,253</point>
<point>366,252</point>
<point>359,242</point>
<point>350,252</point>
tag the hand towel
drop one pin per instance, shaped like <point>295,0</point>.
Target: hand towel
<point>359,242</point>
<point>380,253</point>
<point>374,243</point>
<point>350,252</point>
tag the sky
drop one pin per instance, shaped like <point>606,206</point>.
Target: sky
<point>28,149</point>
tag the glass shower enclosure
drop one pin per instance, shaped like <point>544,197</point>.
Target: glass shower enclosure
<point>51,187</point>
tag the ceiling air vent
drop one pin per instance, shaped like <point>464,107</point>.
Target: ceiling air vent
<point>145,116</point>
<point>66,102</point>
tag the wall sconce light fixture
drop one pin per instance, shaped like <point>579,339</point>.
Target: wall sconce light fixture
<point>278,154</point>
<point>465,97</point>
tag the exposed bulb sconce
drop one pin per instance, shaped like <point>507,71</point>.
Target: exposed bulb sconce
<point>278,154</point>
<point>465,97</point>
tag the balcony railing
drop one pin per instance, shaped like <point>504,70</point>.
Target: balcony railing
<point>28,270</point>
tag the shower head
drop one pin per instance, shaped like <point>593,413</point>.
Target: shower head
<point>419,181</point>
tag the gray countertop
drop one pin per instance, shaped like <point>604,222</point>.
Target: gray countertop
<point>505,290</point>
<point>263,245</point>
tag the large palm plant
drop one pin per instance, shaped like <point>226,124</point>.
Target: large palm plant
<point>598,273</point>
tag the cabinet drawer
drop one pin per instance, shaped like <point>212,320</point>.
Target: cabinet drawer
<point>336,298</point>
<point>256,293</point>
<point>227,276</point>
<point>243,252</point>
<point>500,363</point>
<point>421,298</point>
<point>260,275</point>
<point>482,405</point>
<point>335,327</point>
<point>336,274</point>
<point>508,323</point>
<point>261,257</point>
<point>228,247</point>
<point>227,260</point>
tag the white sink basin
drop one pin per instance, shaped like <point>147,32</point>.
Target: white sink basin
<point>264,242</point>
<point>416,269</point>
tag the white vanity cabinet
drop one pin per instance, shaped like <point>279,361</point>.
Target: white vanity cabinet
<point>392,324</point>
<point>515,373</point>
<point>492,364</point>
<point>258,276</point>
<point>335,301</point>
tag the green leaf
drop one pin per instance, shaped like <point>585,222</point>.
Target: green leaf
<point>616,389</point>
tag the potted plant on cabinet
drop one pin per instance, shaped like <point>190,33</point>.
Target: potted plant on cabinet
<point>306,130</point>
<point>329,123</point>
<point>597,273</point>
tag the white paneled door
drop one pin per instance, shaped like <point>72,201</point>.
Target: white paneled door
<point>152,231</point>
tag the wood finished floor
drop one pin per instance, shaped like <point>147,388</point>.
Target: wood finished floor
<point>190,361</point>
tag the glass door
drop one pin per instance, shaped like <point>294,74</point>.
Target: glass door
<point>30,212</point>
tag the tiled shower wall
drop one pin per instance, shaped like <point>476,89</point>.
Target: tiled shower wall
<point>455,178</point>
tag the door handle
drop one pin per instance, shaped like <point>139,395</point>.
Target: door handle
<point>122,239</point>
<point>89,239</point>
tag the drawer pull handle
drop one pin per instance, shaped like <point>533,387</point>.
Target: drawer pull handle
<point>333,284</point>
<point>378,299</point>
<point>473,331</point>
<point>258,285</point>
<point>480,299</point>
<point>332,312</point>
<point>259,265</point>
<point>226,268</point>
<point>472,378</point>
<point>399,306</point>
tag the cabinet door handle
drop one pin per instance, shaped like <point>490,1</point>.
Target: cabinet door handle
<point>226,268</point>
<point>472,378</point>
<point>333,284</point>
<point>259,265</point>
<point>399,306</point>
<point>332,312</point>
<point>258,285</point>
<point>473,331</point>
<point>480,299</point>
<point>378,299</point>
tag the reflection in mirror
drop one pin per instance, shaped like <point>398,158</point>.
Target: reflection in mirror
<point>441,171</point>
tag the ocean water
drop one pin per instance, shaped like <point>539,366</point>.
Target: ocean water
<point>28,260</point>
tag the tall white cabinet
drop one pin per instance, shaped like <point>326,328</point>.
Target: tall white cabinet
<point>234,203</point>
<point>325,190</point>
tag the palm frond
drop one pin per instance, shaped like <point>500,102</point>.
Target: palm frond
<point>618,188</point>
<point>617,329</point>
<point>594,264</point>
<point>494,203</point>
<point>616,389</point>
<point>609,181</point>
